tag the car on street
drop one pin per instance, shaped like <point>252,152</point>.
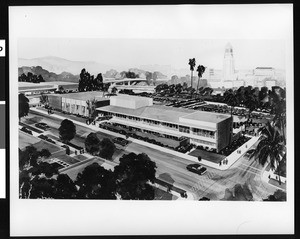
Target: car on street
<point>250,153</point>
<point>43,126</point>
<point>120,141</point>
<point>196,168</point>
<point>24,129</point>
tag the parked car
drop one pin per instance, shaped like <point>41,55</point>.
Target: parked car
<point>250,153</point>
<point>51,141</point>
<point>44,137</point>
<point>24,129</point>
<point>43,126</point>
<point>120,141</point>
<point>196,168</point>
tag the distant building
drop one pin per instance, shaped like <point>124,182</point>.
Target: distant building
<point>270,83</point>
<point>28,88</point>
<point>228,63</point>
<point>264,72</point>
<point>76,103</point>
<point>64,86</point>
<point>208,129</point>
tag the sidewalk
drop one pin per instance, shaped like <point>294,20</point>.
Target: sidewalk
<point>265,177</point>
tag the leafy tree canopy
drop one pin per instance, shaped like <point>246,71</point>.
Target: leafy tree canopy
<point>23,105</point>
<point>67,130</point>
<point>95,182</point>
<point>133,174</point>
<point>92,144</point>
<point>107,148</point>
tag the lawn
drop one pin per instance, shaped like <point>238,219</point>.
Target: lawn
<point>80,157</point>
<point>73,172</point>
<point>209,156</point>
<point>26,140</point>
<point>46,145</point>
<point>162,195</point>
<point>68,159</point>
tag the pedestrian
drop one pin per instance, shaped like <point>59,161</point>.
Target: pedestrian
<point>75,152</point>
<point>220,163</point>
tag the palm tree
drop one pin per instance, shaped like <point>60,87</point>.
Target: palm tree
<point>251,104</point>
<point>192,63</point>
<point>200,70</point>
<point>271,147</point>
<point>278,108</point>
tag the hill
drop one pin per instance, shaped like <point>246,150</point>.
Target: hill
<point>58,65</point>
<point>48,76</point>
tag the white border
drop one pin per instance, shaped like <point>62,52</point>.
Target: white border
<point>51,218</point>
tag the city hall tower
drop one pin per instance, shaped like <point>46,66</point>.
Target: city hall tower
<point>228,64</point>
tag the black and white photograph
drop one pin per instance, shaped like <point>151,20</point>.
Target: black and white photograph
<point>159,107</point>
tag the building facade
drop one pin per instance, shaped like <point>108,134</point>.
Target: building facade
<point>207,129</point>
<point>77,103</point>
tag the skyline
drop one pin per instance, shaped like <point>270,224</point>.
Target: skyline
<point>132,53</point>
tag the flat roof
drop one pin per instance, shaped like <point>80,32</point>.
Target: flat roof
<point>36,87</point>
<point>166,114</point>
<point>206,116</point>
<point>85,95</point>
<point>60,83</point>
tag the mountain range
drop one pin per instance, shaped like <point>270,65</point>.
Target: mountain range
<point>58,65</point>
<point>58,69</point>
<point>48,76</point>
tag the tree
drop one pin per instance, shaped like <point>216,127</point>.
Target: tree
<point>29,77</point>
<point>238,193</point>
<point>44,99</point>
<point>92,144</point>
<point>133,175</point>
<point>23,105</point>
<point>28,157</point>
<point>178,88</point>
<point>148,77</point>
<point>42,188</point>
<point>67,130</point>
<point>98,82</point>
<point>154,77</point>
<point>48,170</point>
<point>278,108</point>
<point>65,188</point>
<point>271,147</point>
<point>232,100</point>
<point>84,81</point>
<point>192,63</point>
<point>161,87</point>
<point>23,77</point>
<point>95,182</point>
<point>251,104</point>
<point>45,153</point>
<point>61,89</point>
<point>40,78</point>
<point>107,148</point>
<point>91,107</point>
<point>200,70</point>
<point>114,90</point>
<point>278,195</point>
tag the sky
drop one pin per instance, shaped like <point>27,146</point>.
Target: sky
<point>248,54</point>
